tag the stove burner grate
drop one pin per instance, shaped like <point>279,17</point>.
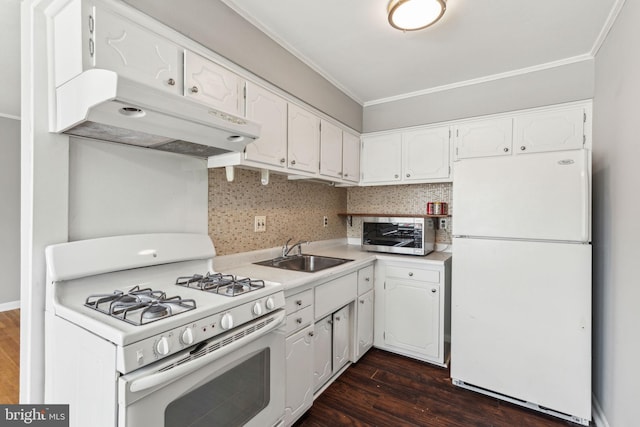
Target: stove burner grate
<point>218,283</point>
<point>139,306</point>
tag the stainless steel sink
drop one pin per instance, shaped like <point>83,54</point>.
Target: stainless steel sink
<point>306,263</point>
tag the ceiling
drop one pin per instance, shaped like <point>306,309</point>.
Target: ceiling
<point>351,44</point>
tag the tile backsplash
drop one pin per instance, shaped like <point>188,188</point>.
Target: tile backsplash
<point>398,199</point>
<point>294,209</point>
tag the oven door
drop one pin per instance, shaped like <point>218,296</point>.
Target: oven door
<point>235,379</point>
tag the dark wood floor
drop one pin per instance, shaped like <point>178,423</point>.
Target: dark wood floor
<point>384,389</point>
<point>9,356</point>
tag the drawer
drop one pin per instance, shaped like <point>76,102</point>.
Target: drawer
<point>299,319</point>
<point>332,295</point>
<point>419,274</point>
<point>365,279</point>
<point>298,301</point>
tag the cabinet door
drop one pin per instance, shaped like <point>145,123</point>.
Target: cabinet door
<point>412,316</point>
<point>270,111</point>
<point>299,374</point>
<point>304,139</point>
<point>364,329</point>
<point>341,337</point>
<point>330,150</point>
<point>381,158</point>
<point>322,352</point>
<point>483,138</point>
<point>136,53</point>
<point>549,131</point>
<point>425,154</point>
<point>365,279</point>
<point>350,157</point>
<point>211,84</point>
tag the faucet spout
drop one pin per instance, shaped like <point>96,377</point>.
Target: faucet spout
<point>286,251</point>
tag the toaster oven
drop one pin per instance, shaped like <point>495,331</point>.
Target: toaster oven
<point>398,235</point>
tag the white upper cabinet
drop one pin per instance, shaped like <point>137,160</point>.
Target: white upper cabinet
<point>211,84</point>
<point>418,155</point>
<point>381,158</point>
<point>549,131</point>
<point>425,154</point>
<point>270,111</point>
<point>304,139</point>
<point>330,150</point>
<point>134,52</point>
<point>483,138</point>
<point>350,157</point>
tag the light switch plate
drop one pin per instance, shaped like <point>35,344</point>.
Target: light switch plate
<point>260,224</point>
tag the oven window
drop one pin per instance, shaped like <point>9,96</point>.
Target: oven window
<point>230,399</point>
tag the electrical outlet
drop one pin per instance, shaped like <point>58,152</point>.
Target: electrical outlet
<point>444,223</point>
<point>260,224</point>
<point>325,221</point>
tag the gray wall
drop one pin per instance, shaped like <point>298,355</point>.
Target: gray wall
<point>9,210</point>
<point>573,82</point>
<point>219,28</point>
<point>616,212</point>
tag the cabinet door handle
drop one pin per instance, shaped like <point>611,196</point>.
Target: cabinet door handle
<point>299,302</point>
<point>282,160</point>
<point>410,274</point>
<point>408,175</point>
<point>506,150</point>
<point>361,301</point>
<point>194,89</point>
<point>171,82</point>
<point>396,176</point>
<point>346,175</point>
<point>310,333</point>
<point>367,279</point>
<point>299,319</point>
<point>522,147</point>
<point>337,318</point>
<point>433,290</point>
<point>293,162</point>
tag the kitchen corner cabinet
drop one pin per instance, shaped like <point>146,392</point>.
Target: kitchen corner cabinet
<point>561,129</point>
<point>270,110</point>
<point>303,139</point>
<point>211,84</point>
<point>299,353</point>
<point>413,156</point>
<point>364,313</point>
<point>412,309</point>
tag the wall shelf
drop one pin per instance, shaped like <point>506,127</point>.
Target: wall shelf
<point>350,216</point>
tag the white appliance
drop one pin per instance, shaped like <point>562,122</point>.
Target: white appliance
<point>134,338</point>
<point>521,281</point>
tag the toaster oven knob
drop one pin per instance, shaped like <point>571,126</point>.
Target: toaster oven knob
<point>270,303</point>
<point>257,309</point>
<point>162,346</point>
<point>227,321</point>
<point>187,337</point>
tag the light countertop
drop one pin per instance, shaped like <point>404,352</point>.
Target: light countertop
<point>242,264</point>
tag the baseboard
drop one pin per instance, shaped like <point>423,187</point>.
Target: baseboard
<point>12,305</point>
<point>599,420</point>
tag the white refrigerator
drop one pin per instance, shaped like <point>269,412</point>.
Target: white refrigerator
<point>521,280</point>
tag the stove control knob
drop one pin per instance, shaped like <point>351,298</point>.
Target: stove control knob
<point>270,303</point>
<point>257,309</point>
<point>162,346</point>
<point>227,321</point>
<point>186,336</point>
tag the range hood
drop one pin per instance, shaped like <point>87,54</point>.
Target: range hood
<point>102,105</point>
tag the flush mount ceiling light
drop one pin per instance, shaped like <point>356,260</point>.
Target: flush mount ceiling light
<point>411,15</point>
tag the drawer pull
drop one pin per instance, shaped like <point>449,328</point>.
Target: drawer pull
<point>171,82</point>
<point>299,302</point>
<point>310,333</point>
<point>337,318</point>
<point>410,274</point>
<point>367,279</point>
<point>299,319</point>
<point>361,301</point>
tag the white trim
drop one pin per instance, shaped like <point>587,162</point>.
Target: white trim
<point>9,116</point>
<point>598,415</point>
<point>611,19</point>
<point>485,79</point>
<point>8,306</point>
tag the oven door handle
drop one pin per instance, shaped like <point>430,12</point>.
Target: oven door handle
<point>165,377</point>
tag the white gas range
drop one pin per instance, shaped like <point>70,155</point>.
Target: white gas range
<point>139,326</point>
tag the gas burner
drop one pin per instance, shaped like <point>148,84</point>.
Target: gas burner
<point>139,306</point>
<point>218,283</point>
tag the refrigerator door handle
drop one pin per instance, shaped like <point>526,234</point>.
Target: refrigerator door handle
<point>586,197</point>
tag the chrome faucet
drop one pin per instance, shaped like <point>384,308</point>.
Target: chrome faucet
<point>286,249</point>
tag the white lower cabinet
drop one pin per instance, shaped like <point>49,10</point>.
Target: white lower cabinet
<point>364,322</point>
<point>299,371</point>
<point>332,345</point>
<point>412,309</point>
<point>322,352</point>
